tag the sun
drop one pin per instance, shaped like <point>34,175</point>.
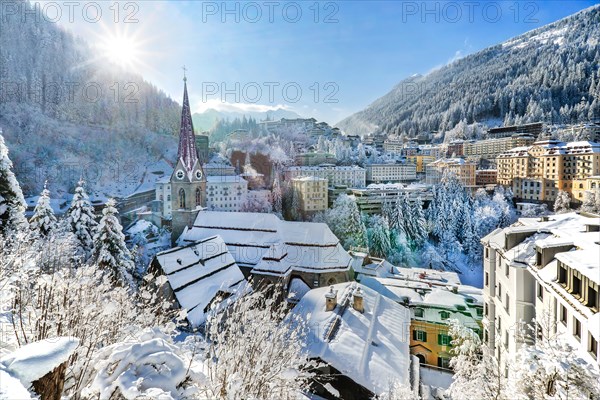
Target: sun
<point>121,50</point>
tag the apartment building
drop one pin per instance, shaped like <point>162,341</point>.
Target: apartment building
<point>460,168</point>
<point>388,173</point>
<point>484,177</point>
<point>539,171</point>
<point>351,176</point>
<point>425,155</point>
<point>370,200</point>
<point>490,148</point>
<point>544,269</point>
<point>455,148</point>
<point>312,192</point>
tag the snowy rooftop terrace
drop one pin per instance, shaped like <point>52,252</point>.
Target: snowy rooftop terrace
<point>371,348</point>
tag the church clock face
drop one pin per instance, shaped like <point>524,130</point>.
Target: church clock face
<point>179,174</point>
<point>198,174</point>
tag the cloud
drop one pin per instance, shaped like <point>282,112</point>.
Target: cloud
<point>216,104</point>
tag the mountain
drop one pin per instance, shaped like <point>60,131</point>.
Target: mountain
<point>549,74</point>
<point>66,113</point>
<point>206,120</point>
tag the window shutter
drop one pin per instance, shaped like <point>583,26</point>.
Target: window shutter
<point>424,336</point>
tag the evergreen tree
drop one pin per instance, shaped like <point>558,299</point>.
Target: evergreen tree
<point>379,236</point>
<point>345,221</point>
<point>589,201</point>
<point>110,252</point>
<point>562,204</point>
<point>81,219</point>
<point>277,196</point>
<point>12,202</point>
<point>43,220</point>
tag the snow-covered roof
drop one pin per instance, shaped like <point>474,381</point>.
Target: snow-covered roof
<point>371,348</point>
<point>270,245</point>
<point>197,272</point>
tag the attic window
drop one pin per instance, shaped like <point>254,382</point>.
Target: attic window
<point>419,312</point>
<point>444,314</point>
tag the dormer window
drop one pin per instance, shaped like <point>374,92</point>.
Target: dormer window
<point>419,312</point>
<point>444,315</point>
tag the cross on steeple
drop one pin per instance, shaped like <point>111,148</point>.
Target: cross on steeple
<point>184,71</point>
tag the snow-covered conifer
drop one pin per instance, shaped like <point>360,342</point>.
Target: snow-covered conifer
<point>562,204</point>
<point>12,202</point>
<point>110,252</point>
<point>378,234</point>
<point>43,219</point>
<point>81,219</point>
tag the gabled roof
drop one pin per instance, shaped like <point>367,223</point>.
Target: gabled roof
<point>270,245</point>
<point>197,272</point>
<point>371,348</point>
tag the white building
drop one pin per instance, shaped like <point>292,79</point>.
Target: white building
<point>387,173</point>
<point>351,176</point>
<point>225,192</point>
<point>541,268</point>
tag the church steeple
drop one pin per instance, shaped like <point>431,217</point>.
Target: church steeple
<point>187,142</point>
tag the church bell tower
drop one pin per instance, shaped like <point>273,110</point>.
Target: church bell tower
<point>188,182</point>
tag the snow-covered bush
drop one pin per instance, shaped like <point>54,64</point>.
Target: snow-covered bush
<point>149,366</point>
<point>254,351</point>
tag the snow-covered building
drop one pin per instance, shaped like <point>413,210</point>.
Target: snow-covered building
<point>351,176</point>
<point>197,273</point>
<point>392,172</point>
<point>361,335</point>
<point>460,168</point>
<point>273,250</point>
<point>542,268</point>
<point>433,298</point>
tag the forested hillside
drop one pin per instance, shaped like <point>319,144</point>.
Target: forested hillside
<point>63,106</point>
<point>549,74</point>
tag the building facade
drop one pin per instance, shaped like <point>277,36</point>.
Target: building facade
<point>312,193</point>
<point>539,171</point>
<point>490,148</point>
<point>460,168</point>
<point>546,270</point>
<point>389,173</point>
<point>484,177</point>
<point>351,176</point>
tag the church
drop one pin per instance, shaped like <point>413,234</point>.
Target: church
<point>196,183</point>
<point>187,182</point>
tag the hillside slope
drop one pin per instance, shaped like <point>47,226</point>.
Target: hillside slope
<point>65,113</point>
<point>548,74</point>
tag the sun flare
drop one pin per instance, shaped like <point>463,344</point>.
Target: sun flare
<point>121,51</point>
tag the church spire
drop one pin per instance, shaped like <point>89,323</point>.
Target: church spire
<point>187,142</point>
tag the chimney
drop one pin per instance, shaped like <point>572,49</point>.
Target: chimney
<point>357,301</point>
<point>330,299</point>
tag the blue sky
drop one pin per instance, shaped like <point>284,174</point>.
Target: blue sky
<point>352,51</point>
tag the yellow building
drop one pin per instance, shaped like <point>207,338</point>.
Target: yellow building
<point>460,168</point>
<point>539,171</point>
<point>312,193</point>
<point>421,161</point>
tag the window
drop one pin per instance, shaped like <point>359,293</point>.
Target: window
<point>444,314</point>
<point>198,197</point>
<point>562,274</point>
<point>540,291</point>
<point>487,252</point>
<point>499,294</point>
<point>181,198</point>
<point>563,314</point>
<point>576,286</point>
<point>487,279</point>
<point>592,300</point>
<point>486,309</point>
<point>419,336</point>
<point>592,346</point>
<point>444,340</point>
<point>507,303</point>
<point>419,312</point>
<point>479,311</point>
<point>499,327</point>
<point>506,269</point>
<point>576,328</point>
<point>444,362</point>
<point>506,339</point>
